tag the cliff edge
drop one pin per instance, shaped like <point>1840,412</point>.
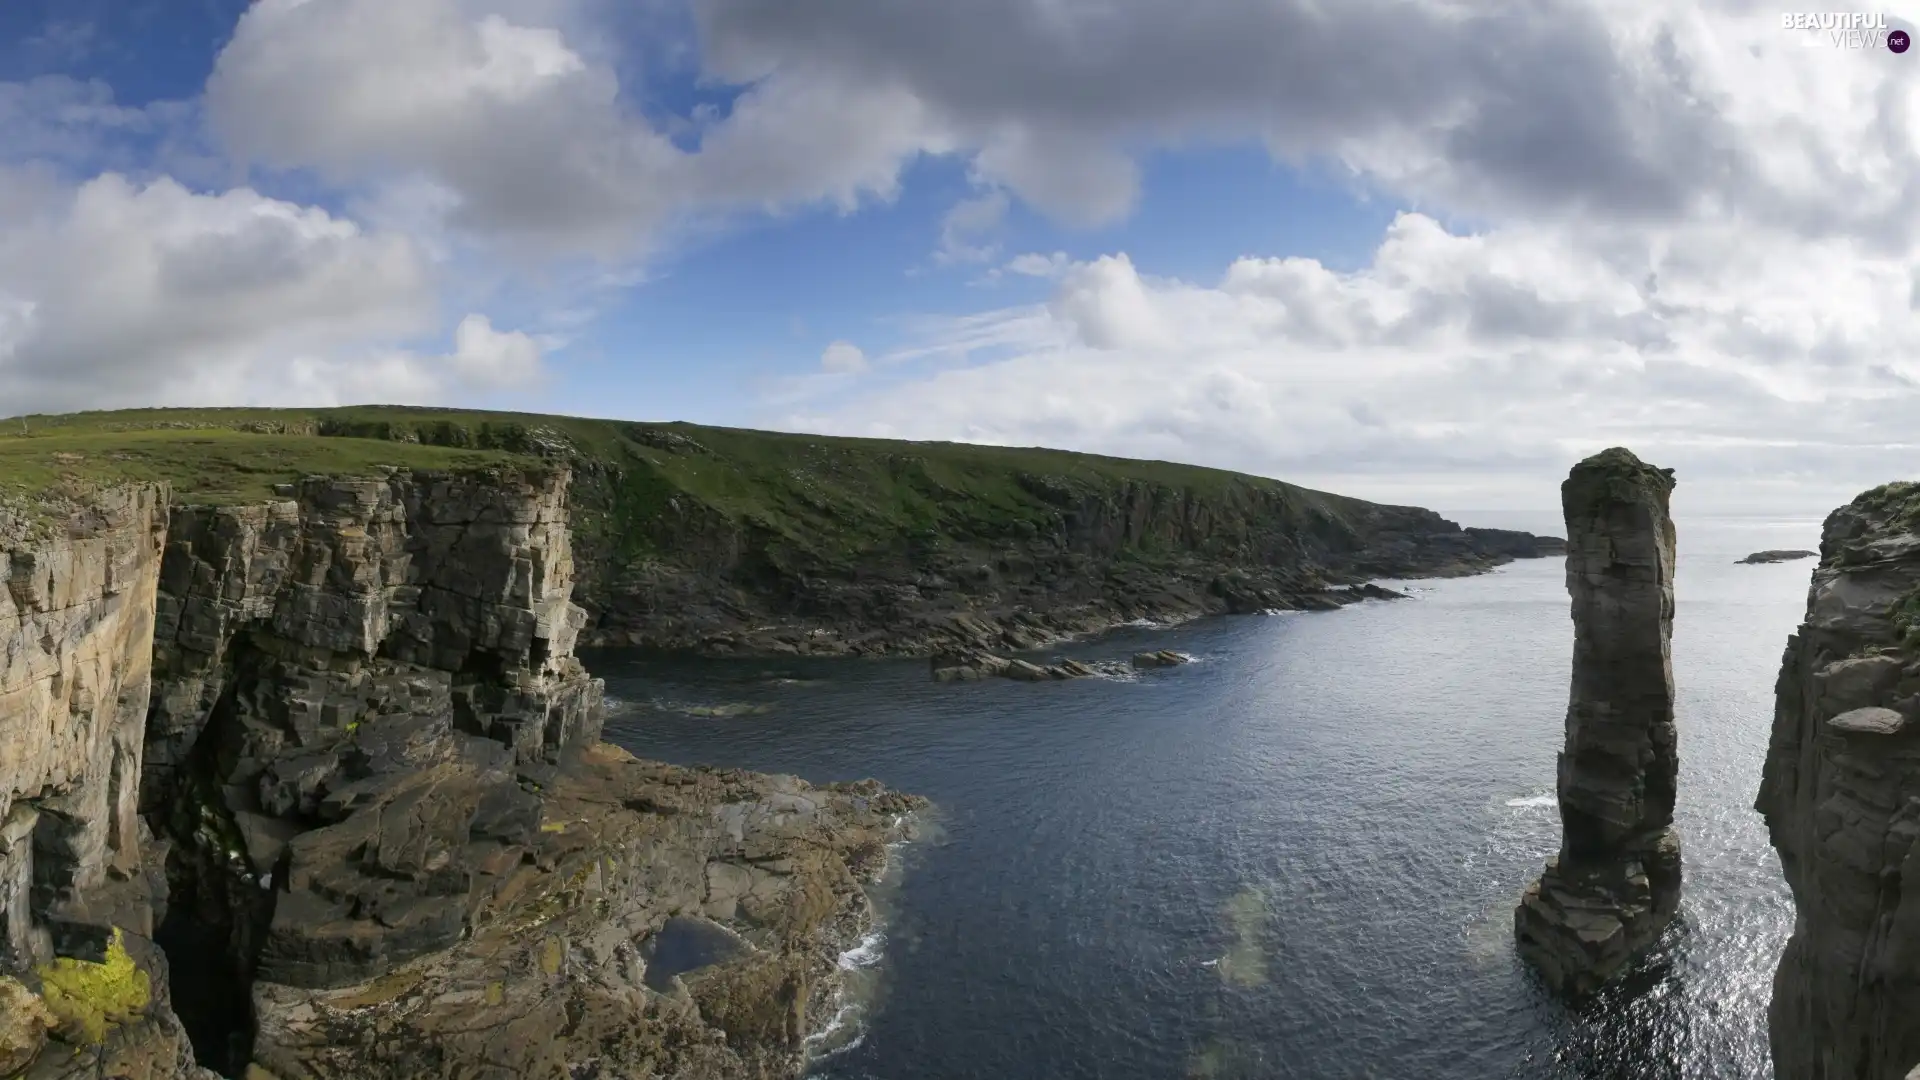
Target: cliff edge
<point>729,541</point>
<point>291,698</point>
<point>331,752</point>
<point>1841,797</point>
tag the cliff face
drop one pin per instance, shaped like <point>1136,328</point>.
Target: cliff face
<point>991,554</point>
<point>349,728</point>
<point>1616,882</point>
<point>1841,797</point>
<point>79,877</point>
<point>723,540</point>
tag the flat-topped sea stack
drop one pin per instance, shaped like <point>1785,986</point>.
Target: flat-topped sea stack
<point>1616,882</point>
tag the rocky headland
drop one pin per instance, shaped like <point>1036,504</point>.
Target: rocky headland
<point>301,777</point>
<point>312,787</point>
<point>1774,555</point>
<point>1616,882</point>
<point>1841,798</point>
<point>720,541</point>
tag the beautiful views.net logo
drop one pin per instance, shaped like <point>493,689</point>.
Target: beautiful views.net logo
<point>1846,30</point>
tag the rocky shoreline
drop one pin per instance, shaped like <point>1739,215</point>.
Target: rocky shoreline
<point>1035,594</point>
<point>326,743</point>
<point>335,750</point>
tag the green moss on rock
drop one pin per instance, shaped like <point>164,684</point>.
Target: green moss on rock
<point>88,999</point>
<point>1615,475</point>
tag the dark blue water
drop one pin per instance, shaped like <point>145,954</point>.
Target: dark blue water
<point>1296,857</point>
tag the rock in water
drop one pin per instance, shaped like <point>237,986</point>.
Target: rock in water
<point>1616,882</point>
<point>1774,555</point>
<point>1162,658</point>
<point>1841,797</point>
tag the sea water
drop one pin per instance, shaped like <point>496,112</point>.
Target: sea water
<point>1297,856</point>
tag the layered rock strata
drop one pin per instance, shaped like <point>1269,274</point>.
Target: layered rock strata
<point>1841,797</point>
<point>335,750</point>
<point>1615,884</point>
<point>81,884</point>
<point>1089,559</point>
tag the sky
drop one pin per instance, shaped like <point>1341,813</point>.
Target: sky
<point>1422,251</point>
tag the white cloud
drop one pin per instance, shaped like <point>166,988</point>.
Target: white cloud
<point>969,231</point>
<point>117,294</point>
<point>1486,362</point>
<point>1109,307</point>
<point>527,135</point>
<point>493,359</point>
<point>1690,232</point>
<point>843,358</point>
<point>1034,264</point>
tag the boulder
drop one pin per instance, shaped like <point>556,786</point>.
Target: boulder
<point>24,1024</point>
<point>1022,671</point>
<point>966,665</point>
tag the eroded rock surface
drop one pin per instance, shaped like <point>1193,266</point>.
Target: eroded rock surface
<point>1841,797</point>
<point>335,751</point>
<point>79,875</point>
<point>1616,882</point>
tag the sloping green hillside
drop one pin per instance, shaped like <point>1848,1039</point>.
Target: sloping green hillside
<point>833,497</point>
<point>685,532</point>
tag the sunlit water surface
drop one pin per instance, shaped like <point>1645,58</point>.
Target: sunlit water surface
<point>1296,857</point>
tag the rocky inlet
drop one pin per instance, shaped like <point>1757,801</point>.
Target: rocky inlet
<point>1616,882</point>
<point>333,755</point>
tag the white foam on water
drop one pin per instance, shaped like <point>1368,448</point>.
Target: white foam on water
<point>1545,798</point>
<point>865,953</point>
<point>858,963</point>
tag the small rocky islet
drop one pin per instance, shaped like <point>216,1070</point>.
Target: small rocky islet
<point>302,778</point>
<point>1776,555</point>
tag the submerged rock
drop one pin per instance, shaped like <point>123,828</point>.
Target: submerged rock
<point>970,665</point>
<point>1616,882</point>
<point>1841,796</point>
<point>1161,658</point>
<point>1774,555</point>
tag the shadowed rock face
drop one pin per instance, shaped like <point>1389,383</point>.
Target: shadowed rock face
<point>370,815</point>
<point>1841,797</point>
<point>1616,882</point>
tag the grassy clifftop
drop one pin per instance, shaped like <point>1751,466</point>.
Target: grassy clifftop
<point>683,529</point>
<point>830,495</point>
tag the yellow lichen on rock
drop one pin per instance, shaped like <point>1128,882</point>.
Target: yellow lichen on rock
<point>87,999</point>
<point>24,1023</point>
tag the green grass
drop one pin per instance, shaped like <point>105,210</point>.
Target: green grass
<point>805,499</point>
<point>210,466</point>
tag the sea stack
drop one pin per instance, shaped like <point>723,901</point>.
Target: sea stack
<point>1616,882</point>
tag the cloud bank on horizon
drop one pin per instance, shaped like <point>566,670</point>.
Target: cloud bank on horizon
<point>1672,225</point>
